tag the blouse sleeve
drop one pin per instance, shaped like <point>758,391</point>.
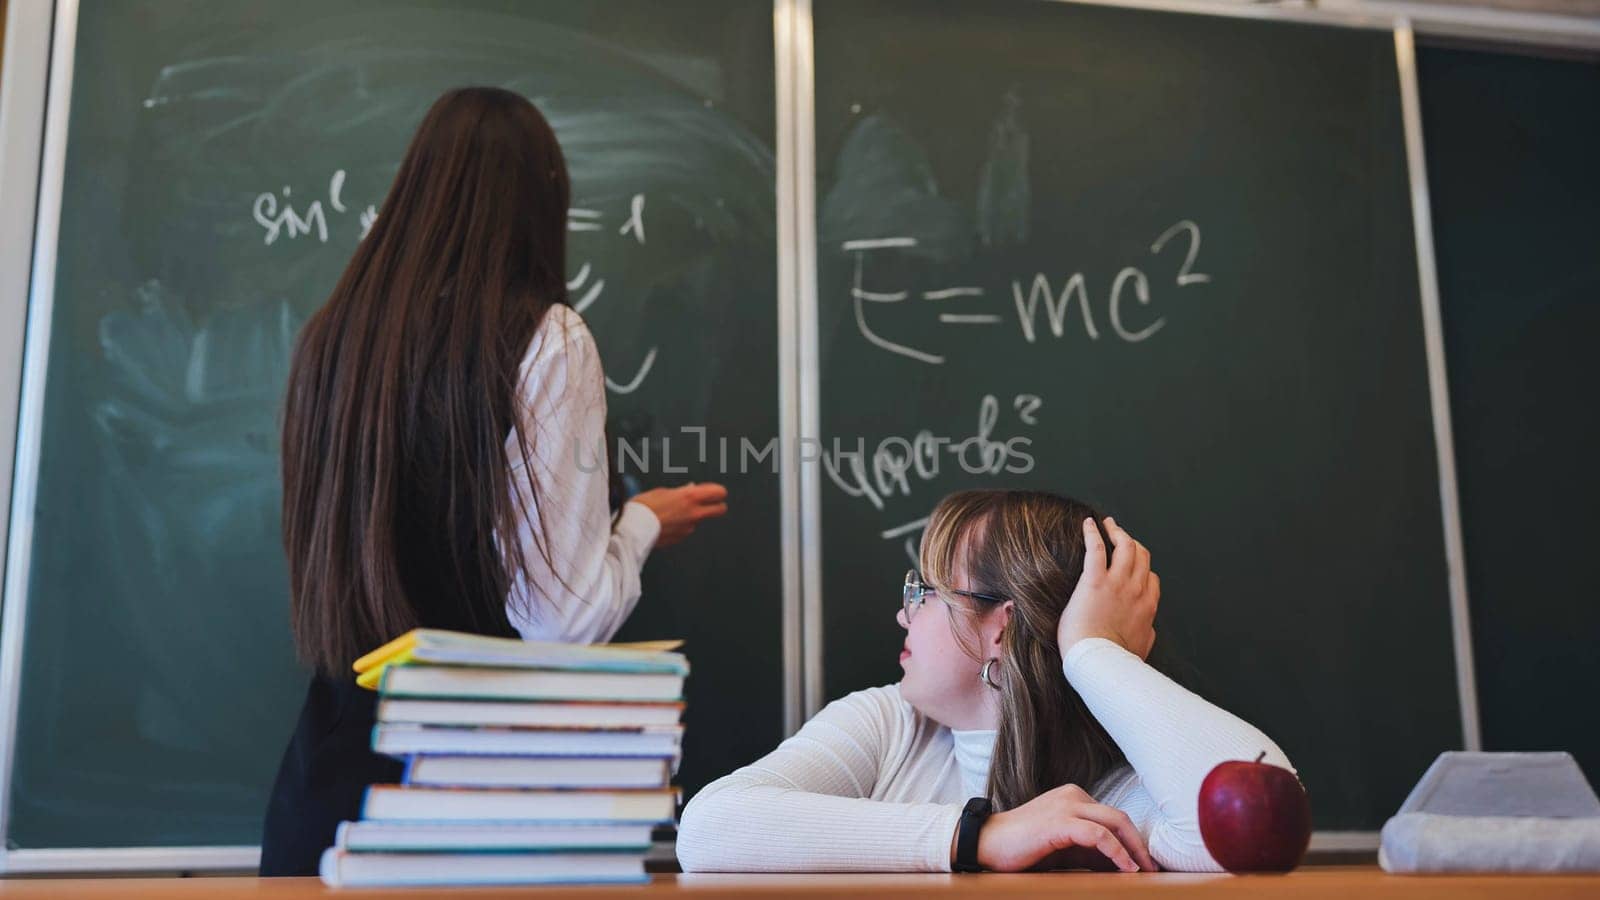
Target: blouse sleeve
<point>1172,737</point>
<point>804,808</point>
<point>582,569</point>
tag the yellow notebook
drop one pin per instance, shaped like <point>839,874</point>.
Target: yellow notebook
<point>369,668</point>
<point>370,676</point>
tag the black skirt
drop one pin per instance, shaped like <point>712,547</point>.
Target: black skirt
<point>323,777</point>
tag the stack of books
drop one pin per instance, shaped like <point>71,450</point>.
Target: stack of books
<point>526,762</point>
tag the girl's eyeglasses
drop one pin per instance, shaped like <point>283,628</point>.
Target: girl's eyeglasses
<point>915,593</point>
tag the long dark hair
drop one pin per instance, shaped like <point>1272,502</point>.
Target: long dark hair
<point>398,509</point>
<point>1028,547</point>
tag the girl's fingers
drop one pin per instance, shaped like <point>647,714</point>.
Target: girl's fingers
<point>1094,550</point>
<point>1122,558</point>
<point>1141,566</point>
<point>1092,834</point>
<point>1126,832</point>
<point>1064,799</point>
<point>706,492</point>
<point>711,511</point>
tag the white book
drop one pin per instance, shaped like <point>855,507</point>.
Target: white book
<point>536,715</point>
<point>436,646</point>
<point>394,802</point>
<point>341,868</point>
<point>537,772</point>
<point>401,739</point>
<point>504,837</point>
<point>469,683</point>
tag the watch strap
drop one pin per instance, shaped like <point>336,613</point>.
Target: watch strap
<point>973,815</point>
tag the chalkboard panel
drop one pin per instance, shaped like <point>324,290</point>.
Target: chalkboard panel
<point>1164,263</point>
<point>1513,143</point>
<point>223,160</point>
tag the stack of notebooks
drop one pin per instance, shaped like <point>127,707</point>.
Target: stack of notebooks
<point>526,762</point>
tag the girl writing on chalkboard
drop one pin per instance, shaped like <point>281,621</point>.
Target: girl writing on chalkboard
<point>1025,688</point>
<point>445,412</point>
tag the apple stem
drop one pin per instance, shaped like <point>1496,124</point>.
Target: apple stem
<point>1262,756</point>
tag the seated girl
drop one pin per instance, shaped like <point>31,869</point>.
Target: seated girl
<point>1100,767</point>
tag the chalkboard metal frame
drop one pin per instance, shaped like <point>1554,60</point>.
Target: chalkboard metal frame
<point>786,27</point>
<point>35,25</point>
<point>27,63</point>
<point>1438,385</point>
<point>810,389</point>
<point>1498,26</point>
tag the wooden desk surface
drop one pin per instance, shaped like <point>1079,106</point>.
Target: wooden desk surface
<point>1329,883</point>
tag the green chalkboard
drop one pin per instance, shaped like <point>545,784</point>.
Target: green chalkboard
<point>1164,263</point>
<point>1513,144</point>
<point>221,160</point>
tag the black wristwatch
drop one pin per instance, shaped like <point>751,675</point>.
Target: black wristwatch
<point>973,815</point>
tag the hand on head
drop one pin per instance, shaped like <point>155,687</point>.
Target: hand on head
<point>1116,601</point>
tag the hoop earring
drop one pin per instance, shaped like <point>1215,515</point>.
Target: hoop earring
<point>984,672</point>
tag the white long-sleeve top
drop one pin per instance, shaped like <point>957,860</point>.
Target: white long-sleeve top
<point>871,785</point>
<point>593,584</point>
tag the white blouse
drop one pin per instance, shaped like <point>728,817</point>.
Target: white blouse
<point>594,583</point>
<point>871,785</point>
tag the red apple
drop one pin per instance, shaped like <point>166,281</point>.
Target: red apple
<point>1254,816</point>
